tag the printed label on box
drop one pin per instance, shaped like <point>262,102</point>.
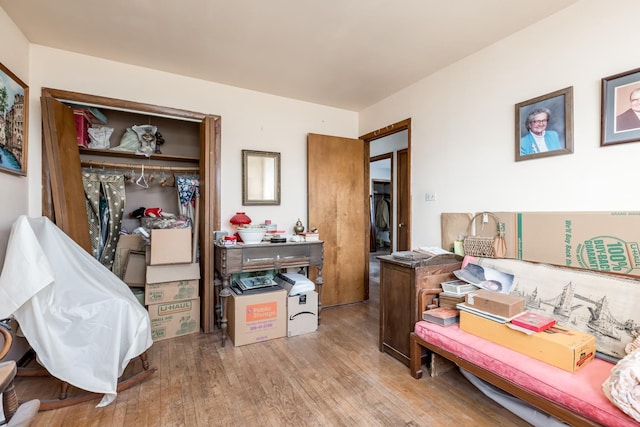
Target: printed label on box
<point>174,307</point>
<point>256,312</point>
<point>257,327</point>
<point>599,241</point>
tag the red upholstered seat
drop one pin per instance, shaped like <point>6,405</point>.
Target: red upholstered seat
<point>581,392</point>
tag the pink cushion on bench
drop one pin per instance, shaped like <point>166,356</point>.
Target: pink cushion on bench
<point>580,392</point>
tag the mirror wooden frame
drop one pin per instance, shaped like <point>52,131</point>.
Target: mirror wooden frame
<point>256,169</point>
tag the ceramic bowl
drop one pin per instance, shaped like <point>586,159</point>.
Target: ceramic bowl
<point>252,235</point>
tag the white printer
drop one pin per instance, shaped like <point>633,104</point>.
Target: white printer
<point>302,303</point>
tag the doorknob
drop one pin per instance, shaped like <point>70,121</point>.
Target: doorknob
<point>400,225</point>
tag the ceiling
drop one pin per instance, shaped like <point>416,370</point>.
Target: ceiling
<point>348,54</point>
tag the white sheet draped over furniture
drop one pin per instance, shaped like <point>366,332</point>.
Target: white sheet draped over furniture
<point>83,322</point>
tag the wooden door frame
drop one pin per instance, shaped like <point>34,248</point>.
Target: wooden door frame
<point>381,133</point>
<point>210,180</point>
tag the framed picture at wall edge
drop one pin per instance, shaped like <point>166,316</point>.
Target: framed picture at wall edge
<point>620,120</point>
<point>544,125</point>
<point>14,118</point>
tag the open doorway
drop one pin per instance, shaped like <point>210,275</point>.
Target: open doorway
<point>381,202</point>
<point>391,144</point>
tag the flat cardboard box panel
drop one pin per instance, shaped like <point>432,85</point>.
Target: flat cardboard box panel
<point>126,243</point>
<point>604,241</point>
<point>559,346</point>
<point>302,313</point>
<point>170,246</point>
<point>495,303</point>
<point>172,273</point>
<point>134,269</point>
<point>172,319</point>
<point>601,241</point>
<point>155,293</point>
<point>257,317</point>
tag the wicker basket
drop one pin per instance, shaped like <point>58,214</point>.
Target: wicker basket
<point>482,246</point>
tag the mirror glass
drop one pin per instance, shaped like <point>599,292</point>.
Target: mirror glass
<point>260,178</point>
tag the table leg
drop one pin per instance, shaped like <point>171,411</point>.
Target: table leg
<point>225,293</point>
<point>319,282</point>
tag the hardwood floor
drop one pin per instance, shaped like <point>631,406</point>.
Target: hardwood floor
<point>333,377</point>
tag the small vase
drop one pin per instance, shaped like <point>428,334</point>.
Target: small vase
<point>298,228</point>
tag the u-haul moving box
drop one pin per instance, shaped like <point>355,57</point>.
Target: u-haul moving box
<point>172,319</point>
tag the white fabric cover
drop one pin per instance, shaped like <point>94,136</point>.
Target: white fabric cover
<point>83,322</point>
<point>622,388</point>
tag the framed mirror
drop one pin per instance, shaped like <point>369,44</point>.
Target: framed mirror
<point>260,178</point>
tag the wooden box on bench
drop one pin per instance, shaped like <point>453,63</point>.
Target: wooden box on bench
<point>559,346</point>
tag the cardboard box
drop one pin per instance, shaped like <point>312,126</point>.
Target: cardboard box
<point>605,241</point>
<point>558,346</point>
<point>495,303</point>
<point>155,293</point>
<point>172,273</point>
<point>126,243</point>
<point>172,319</point>
<point>302,313</point>
<point>135,269</point>
<point>257,317</point>
<point>82,127</point>
<point>170,246</point>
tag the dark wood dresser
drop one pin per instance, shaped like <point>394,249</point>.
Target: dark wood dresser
<point>400,282</point>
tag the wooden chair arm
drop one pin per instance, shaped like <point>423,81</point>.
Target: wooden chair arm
<point>7,338</point>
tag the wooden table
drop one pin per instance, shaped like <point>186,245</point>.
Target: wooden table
<point>243,258</point>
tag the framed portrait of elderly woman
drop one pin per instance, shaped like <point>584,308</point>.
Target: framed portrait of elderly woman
<point>544,125</point>
<point>620,121</point>
<point>14,115</point>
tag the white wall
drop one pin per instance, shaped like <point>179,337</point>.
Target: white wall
<point>13,188</point>
<point>463,132</point>
<point>250,120</point>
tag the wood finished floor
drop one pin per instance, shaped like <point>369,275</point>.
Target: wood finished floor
<point>333,377</point>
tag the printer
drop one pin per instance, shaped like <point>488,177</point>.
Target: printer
<point>302,303</point>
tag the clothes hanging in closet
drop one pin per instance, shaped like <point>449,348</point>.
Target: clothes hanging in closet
<point>382,214</point>
<point>105,194</point>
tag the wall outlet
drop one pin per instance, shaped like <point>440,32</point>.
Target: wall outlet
<point>430,197</point>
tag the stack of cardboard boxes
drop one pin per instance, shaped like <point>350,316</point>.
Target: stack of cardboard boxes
<point>171,282</point>
<point>289,311</point>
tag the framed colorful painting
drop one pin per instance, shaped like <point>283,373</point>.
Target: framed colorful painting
<point>14,115</point>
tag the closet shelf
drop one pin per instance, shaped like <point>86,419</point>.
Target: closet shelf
<point>113,165</point>
<point>124,154</point>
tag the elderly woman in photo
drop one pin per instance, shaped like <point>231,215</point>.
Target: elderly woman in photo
<point>538,139</point>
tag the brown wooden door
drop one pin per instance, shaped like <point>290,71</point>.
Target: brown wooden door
<point>338,205</point>
<point>402,200</point>
<point>64,171</point>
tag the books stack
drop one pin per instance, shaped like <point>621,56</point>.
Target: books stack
<point>448,300</point>
<point>441,316</point>
<point>533,322</point>
<point>310,236</point>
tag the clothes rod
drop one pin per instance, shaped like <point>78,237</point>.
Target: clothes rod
<point>111,165</point>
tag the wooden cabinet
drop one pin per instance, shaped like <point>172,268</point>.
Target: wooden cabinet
<point>400,283</point>
<point>192,143</point>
